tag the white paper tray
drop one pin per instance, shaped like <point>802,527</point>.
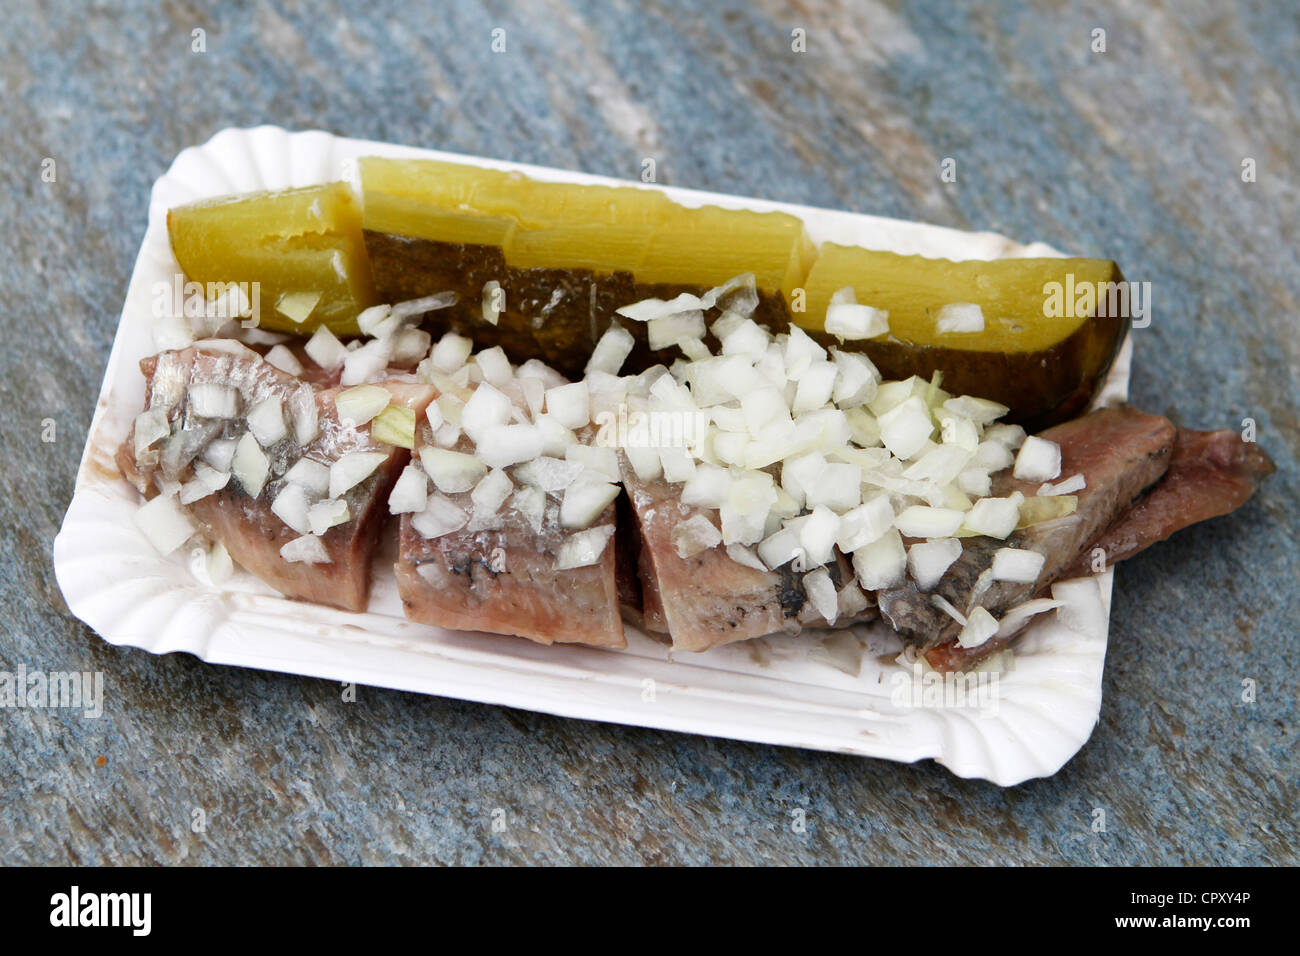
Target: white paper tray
<point>771,691</point>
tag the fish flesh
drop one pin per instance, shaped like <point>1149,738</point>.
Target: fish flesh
<point>1120,451</point>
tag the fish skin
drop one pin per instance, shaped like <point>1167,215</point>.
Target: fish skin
<point>1211,473</point>
<point>1119,450</point>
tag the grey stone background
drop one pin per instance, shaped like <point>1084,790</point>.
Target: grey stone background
<point>1134,154</point>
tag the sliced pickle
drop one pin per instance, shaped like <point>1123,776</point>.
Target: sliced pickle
<point>1044,367</point>
<point>293,244</point>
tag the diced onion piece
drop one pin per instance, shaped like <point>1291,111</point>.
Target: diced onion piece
<point>800,352</point>
<point>214,480</point>
<point>569,404</point>
<point>645,462</point>
<point>503,445</point>
<point>219,566</point>
<point>980,626</point>
<point>308,549</point>
<point>530,502</point>
<point>266,421</point>
<point>744,281</point>
<point>283,358</point>
<point>595,458</point>
<point>491,493</point>
<point>821,594</point>
<point>929,560</point>
<point>1014,618</point>
<point>745,556</point>
<point>943,604</point>
<point>291,507</point>
<point>1081,609</point>
<point>839,488</point>
<point>817,534</point>
<point>959,317</point>
<point>815,387</point>
<point>305,414</point>
<point>440,516</point>
<point>208,400</point>
<point>941,464</point>
<point>856,379</point>
<point>395,425</point>
<point>493,301</point>
<point>366,363</point>
<point>556,439</point>
<point>995,517</point>
<point>250,465</point>
<point>165,523</point>
<point>297,307</point>
<point>451,471</point>
<point>409,346</point>
<point>882,563</point>
<point>1017,564</point>
<point>678,465</point>
<point>410,493</point>
<point>311,475</point>
<point>780,548</point>
<point>992,456</point>
<point>583,548</point>
<point>1037,510</point>
<point>975,482</point>
<point>1012,436</point>
<point>451,352</point>
<point>352,469</point>
<point>1067,487</point>
<point>707,488</point>
<point>495,366</point>
<point>694,535</point>
<point>852,321</point>
<point>921,521</point>
<point>865,524</point>
<point>666,331</point>
<point>611,351</point>
<point>1038,460</point>
<point>586,499</point>
<point>487,408</point>
<point>172,332</point>
<point>150,426</point>
<point>744,337</point>
<point>906,428</point>
<point>549,474</point>
<point>325,349</point>
<point>370,319</point>
<point>220,453</point>
<point>534,392</point>
<point>648,310</point>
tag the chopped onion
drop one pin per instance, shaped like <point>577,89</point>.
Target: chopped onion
<point>678,465</point>
<point>493,299</point>
<point>994,517</point>
<point>451,471</point>
<point>410,493</point>
<point>504,445</point>
<point>1038,460</point>
<point>815,387</point>
<point>352,469</point>
<point>368,320</point>
<point>1068,487</point>
<point>172,332</point>
<point>856,379</point>
<point>707,488</point>
<point>992,456</point>
<point>208,400</point>
<point>611,351</point>
<point>583,548</point>
<point>325,349</point>
<point>821,594</point>
<point>219,566</point>
<point>595,458</point>
<point>882,563</point>
<point>266,421</point>
<point>745,338</point>
<point>666,331</point>
<point>929,560</point>
<point>1081,609</point>
<point>291,507</point>
<point>429,303</point>
<point>549,474</point>
<point>959,317</point>
<point>1014,618</point>
<point>1012,436</point>
<point>817,534</point>
<point>487,408</point>
<point>495,366</point>
<point>649,309</point>
<point>645,462</point>
<point>906,428</point>
<point>150,426</point>
<point>491,493</point>
<point>410,346</point>
<point>920,521</point>
<point>311,475</point>
<point>250,465</point>
<point>780,548</point>
<point>746,556</point>
<point>943,604</point>
<point>975,482</point>
<point>282,358</point>
<point>569,404</point>
<point>165,523</point>
<point>534,392</point>
<point>366,363</point>
<point>1017,564</point>
<point>556,439</point>
<point>848,320</point>
<point>440,516</point>
<point>305,414</point>
<point>220,453</point>
<point>451,353</point>
<point>1038,510</point>
<point>395,425</point>
<point>800,352</point>
<point>530,501</point>
<point>744,282</point>
<point>865,524</point>
<point>839,488</point>
<point>694,535</point>
<point>586,499</point>
<point>306,550</point>
<point>980,626</point>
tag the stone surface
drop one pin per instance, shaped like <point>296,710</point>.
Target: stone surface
<point>1134,154</point>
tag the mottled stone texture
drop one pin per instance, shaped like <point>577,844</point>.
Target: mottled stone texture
<point>1134,153</point>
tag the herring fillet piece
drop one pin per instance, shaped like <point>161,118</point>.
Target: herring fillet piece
<point>1119,450</point>
<point>247,527</point>
<point>500,577</point>
<point>1211,473</point>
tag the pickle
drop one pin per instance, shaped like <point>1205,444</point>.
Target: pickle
<point>295,245</point>
<point>1045,367</point>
